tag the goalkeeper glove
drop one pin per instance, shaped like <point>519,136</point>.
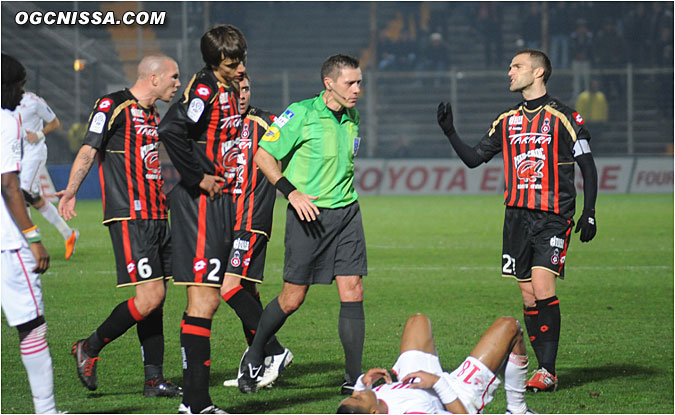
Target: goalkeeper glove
<point>586,225</point>
<point>445,120</point>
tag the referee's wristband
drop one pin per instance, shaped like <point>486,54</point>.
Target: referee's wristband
<point>284,186</point>
<point>32,234</point>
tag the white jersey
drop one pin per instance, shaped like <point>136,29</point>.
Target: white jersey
<point>10,161</point>
<point>402,399</point>
<point>33,112</point>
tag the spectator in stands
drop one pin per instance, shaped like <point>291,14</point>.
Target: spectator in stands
<point>636,32</point>
<point>434,56</point>
<point>659,18</point>
<point>610,53</point>
<point>559,23</point>
<point>593,107</point>
<point>531,34</point>
<point>581,45</point>
<point>489,26</point>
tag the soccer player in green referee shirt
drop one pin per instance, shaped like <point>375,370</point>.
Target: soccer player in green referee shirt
<point>316,141</point>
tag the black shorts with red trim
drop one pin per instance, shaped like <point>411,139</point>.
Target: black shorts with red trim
<point>142,250</point>
<point>534,239</point>
<point>332,245</point>
<point>247,257</point>
<point>202,237</point>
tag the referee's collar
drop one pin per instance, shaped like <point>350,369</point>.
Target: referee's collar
<point>536,103</point>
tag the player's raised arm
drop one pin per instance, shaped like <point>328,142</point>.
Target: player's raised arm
<point>83,161</point>
<point>466,153</point>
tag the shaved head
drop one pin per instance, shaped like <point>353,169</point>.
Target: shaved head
<point>152,64</point>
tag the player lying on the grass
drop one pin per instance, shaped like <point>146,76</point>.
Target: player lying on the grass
<point>425,388</point>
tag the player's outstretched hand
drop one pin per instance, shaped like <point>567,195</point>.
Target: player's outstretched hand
<point>67,201</point>
<point>211,185</point>
<point>303,204</point>
<point>587,225</point>
<point>426,380</point>
<point>41,257</point>
<point>445,119</point>
<point>375,374</point>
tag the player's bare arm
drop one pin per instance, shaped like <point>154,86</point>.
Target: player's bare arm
<point>301,202</point>
<point>83,161</point>
<point>34,136</point>
<point>11,192</point>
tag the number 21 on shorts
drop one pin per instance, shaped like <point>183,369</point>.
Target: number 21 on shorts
<point>508,265</point>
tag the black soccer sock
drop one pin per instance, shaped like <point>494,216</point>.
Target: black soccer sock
<point>549,332</point>
<point>270,322</point>
<point>118,322</point>
<point>531,317</point>
<point>151,335</point>
<point>195,341</point>
<point>352,331</point>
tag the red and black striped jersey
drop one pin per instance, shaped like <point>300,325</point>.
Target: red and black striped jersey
<point>125,134</point>
<point>537,146</point>
<point>200,130</point>
<point>253,194</point>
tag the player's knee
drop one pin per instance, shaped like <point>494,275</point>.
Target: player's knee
<point>149,297</point>
<point>418,318</point>
<point>510,324</point>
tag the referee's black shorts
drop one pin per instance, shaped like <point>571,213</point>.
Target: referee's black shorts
<point>201,231</point>
<point>332,245</point>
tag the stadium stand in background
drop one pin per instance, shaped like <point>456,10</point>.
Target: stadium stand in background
<point>288,40</point>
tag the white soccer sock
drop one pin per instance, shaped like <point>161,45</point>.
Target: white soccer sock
<point>38,363</point>
<point>50,213</point>
<point>515,376</point>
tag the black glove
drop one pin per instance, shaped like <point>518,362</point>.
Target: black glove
<point>586,225</point>
<point>444,117</point>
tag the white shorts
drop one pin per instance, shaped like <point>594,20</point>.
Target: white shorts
<point>30,174</point>
<point>473,382</point>
<point>21,288</point>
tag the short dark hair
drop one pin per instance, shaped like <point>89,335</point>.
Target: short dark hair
<point>335,63</point>
<point>540,59</point>
<point>348,409</point>
<point>223,41</point>
<point>13,77</point>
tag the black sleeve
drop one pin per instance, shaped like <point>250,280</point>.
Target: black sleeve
<point>590,174</point>
<point>173,132</point>
<point>466,153</point>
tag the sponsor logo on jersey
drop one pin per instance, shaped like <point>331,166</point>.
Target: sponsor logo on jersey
<point>284,118</point>
<point>516,120</point>
<point>150,156</point>
<point>203,91</point>
<point>199,265</point>
<point>236,259</point>
<point>97,123</point>
<point>357,142</point>
<point>530,138</point>
<point>105,104</point>
<point>137,205</point>
<point>131,268</point>
<point>577,118</point>
<point>244,143</point>
<point>557,242</point>
<point>144,129</point>
<point>223,97</point>
<point>271,135</point>
<point>136,112</point>
<point>228,151</point>
<point>241,244</point>
<point>231,121</point>
<point>530,171</point>
<point>195,109</point>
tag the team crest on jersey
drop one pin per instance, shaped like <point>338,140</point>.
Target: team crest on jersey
<point>203,92</point>
<point>244,131</point>
<point>547,126</point>
<point>236,259</point>
<point>97,123</point>
<point>199,265</point>
<point>195,109</point>
<point>555,259</point>
<point>271,135</point>
<point>284,118</point>
<point>577,118</point>
<point>105,104</point>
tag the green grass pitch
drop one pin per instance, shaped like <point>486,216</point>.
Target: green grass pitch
<point>435,255</point>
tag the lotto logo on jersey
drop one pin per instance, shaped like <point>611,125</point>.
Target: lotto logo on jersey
<point>577,118</point>
<point>131,268</point>
<point>203,91</point>
<point>199,265</point>
<point>105,104</point>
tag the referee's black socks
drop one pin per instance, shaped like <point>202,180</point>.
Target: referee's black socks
<point>352,331</point>
<point>270,322</point>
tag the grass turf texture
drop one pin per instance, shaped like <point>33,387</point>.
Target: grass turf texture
<point>435,255</point>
